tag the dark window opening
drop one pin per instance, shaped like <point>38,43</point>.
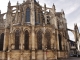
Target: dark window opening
<point>48,21</point>
<point>39,40</point>
<point>1,41</point>
<point>26,42</point>
<point>28,15</point>
<point>17,39</point>
<point>48,40</point>
<point>39,18</point>
<point>35,18</point>
<point>60,40</point>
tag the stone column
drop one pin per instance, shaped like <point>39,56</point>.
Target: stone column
<point>10,39</point>
<point>45,53</point>
<point>6,39</point>
<point>43,42</point>
<point>8,55</point>
<point>52,41</point>
<point>57,41</point>
<point>33,43</point>
<point>21,40</point>
<point>45,19</point>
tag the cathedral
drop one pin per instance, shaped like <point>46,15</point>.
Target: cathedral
<point>33,32</point>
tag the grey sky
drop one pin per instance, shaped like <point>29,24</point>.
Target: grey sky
<point>70,7</point>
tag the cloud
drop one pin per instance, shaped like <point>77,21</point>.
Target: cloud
<point>71,9</point>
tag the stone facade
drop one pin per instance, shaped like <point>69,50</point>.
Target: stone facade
<point>33,32</point>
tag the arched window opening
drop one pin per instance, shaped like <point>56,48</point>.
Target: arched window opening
<point>48,20</point>
<point>35,17</point>
<point>39,40</point>
<point>48,39</point>
<point>26,42</point>
<point>60,42</point>
<point>39,18</point>
<point>17,39</point>
<point>28,15</point>
<point>1,41</point>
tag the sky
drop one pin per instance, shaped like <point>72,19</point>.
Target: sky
<point>70,7</point>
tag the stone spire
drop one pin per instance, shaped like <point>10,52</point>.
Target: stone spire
<point>9,3</point>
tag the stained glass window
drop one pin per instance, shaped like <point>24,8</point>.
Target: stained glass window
<point>26,42</point>
<point>28,15</point>
<point>17,39</point>
<point>48,39</point>
<point>39,40</point>
<point>1,41</point>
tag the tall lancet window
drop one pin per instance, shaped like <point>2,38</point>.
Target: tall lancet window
<point>28,15</point>
<point>39,18</point>
<point>35,17</point>
<point>39,40</point>
<point>60,40</point>
<point>1,41</point>
<point>26,41</point>
<point>17,39</point>
<point>48,40</point>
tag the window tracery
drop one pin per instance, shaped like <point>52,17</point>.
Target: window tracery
<point>48,39</point>
<point>28,15</point>
<point>39,40</point>
<point>17,39</point>
<point>26,41</point>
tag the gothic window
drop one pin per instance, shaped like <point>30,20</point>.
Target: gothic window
<point>17,39</point>
<point>39,18</point>
<point>28,15</point>
<point>48,20</point>
<point>39,40</point>
<point>26,42</point>
<point>1,41</point>
<point>35,17</point>
<point>48,39</point>
<point>60,40</point>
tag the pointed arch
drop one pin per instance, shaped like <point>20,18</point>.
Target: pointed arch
<point>26,40</point>
<point>48,39</point>
<point>28,14</point>
<point>1,41</point>
<point>17,39</point>
<point>39,39</point>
